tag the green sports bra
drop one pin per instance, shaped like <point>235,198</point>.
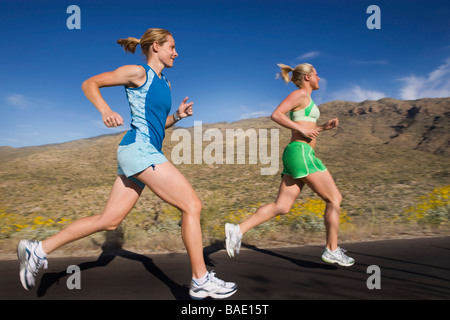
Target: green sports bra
<point>310,113</point>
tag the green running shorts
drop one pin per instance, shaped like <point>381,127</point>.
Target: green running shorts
<point>299,160</point>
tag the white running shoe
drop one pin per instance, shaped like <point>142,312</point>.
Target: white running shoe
<point>30,263</point>
<point>213,287</point>
<point>337,256</point>
<point>233,238</point>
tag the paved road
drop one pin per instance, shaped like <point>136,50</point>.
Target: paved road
<point>409,269</point>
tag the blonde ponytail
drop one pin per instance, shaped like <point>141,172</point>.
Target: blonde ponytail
<point>129,44</point>
<point>298,73</point>
<point>284,74</point>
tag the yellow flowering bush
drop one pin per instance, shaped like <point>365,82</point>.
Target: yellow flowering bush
<point>168,220</point>
<point>308,215</point>
<point>433,208</point>
<point>11,223</point>
<point>238,216</point>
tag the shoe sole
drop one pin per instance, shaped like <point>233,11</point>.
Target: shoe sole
<point>22,256</point>
<point>203,295</point>
<point>338,262</point>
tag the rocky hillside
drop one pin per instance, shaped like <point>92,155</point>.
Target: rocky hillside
<point>419,124</point>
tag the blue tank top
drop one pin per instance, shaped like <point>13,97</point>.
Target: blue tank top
<point>150,105</point>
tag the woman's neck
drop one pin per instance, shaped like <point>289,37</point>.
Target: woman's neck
<point>156,65</point>
<point>307,89</point>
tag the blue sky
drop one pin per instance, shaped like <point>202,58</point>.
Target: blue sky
<point>228,51</point>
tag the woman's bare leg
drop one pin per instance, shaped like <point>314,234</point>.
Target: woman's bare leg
<point>169,184</point>
<point>323,184</point>
<point>123,197</point>
<point>289,191</point>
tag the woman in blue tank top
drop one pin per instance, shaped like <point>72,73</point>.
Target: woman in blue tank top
<point>140,163</point>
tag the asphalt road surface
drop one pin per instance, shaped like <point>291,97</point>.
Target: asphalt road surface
<point>409,269</point>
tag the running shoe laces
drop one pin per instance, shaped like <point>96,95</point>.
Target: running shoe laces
<point>212,277</point>
<point>38,263</point>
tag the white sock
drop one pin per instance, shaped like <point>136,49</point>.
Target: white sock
<point>39,251</point>
<point>201,280</point>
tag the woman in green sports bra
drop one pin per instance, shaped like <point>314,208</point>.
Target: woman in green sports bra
<point>300,165</point>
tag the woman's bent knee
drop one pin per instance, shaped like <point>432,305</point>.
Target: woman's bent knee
<point>111,227</point>
<point>282,209</point>
<point>106,224</point>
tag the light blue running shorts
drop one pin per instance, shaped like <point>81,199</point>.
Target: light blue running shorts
<point>136,157</point>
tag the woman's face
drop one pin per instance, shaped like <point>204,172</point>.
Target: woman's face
<point>167,52</point>
<point>314,79</point>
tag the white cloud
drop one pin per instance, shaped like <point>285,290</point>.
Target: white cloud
<point>262,109</point>
<point>256,114</point>
<point>358,94</point>
<point>22,102</point>
<point>435,85</point>
<point>309,55</point>
<point>19,101</point>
